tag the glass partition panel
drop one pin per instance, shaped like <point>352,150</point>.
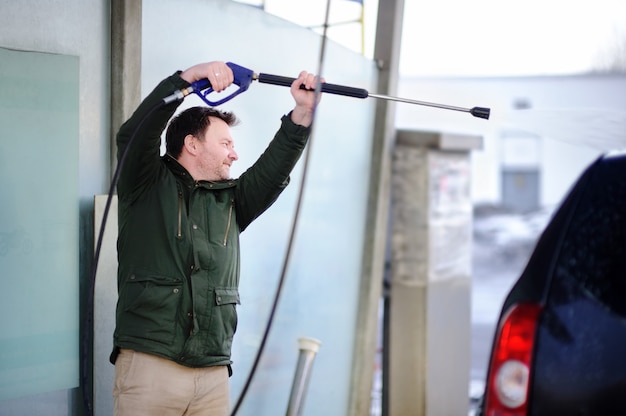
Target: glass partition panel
<point>39,303</point>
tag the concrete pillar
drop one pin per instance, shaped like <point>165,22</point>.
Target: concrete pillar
<point>387,57</point>
<point>430,296</point>
<point>125,65</point>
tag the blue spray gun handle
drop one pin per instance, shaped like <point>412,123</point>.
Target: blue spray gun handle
<point>243,77</point>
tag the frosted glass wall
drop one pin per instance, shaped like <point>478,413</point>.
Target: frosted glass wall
<point>39,220</point>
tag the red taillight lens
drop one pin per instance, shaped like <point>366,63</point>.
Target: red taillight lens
<point>509,371</point>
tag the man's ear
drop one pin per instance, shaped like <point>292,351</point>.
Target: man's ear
<point>191,144</point>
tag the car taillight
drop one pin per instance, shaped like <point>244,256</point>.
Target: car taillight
<point>509,371</point>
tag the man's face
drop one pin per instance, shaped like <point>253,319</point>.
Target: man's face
<point>217,152</point>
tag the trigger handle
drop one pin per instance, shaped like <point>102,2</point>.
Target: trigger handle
<point>243,77</point>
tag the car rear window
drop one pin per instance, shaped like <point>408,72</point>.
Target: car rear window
<point>594,249</point>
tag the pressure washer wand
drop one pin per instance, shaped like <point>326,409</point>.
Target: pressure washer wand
<point>243,77</point>
<point>480,112</point>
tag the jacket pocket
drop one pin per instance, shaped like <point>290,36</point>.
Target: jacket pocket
<point>224,319</point>
<point>148,307</point>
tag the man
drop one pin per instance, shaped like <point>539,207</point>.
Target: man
<point>180,216</point>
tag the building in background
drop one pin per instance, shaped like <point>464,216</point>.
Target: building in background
<point>543,130</point>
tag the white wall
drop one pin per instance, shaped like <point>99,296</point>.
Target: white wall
<point>576,118</point>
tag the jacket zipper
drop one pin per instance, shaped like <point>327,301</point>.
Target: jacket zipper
<point>179,233</point>
<point>230,216</point>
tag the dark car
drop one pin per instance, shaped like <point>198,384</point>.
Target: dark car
<point>560,344</point>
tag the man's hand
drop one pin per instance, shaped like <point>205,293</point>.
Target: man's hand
<point>302,114</point>
<point>219,74</point>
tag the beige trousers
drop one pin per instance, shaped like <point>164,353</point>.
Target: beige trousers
<point>147,385</point>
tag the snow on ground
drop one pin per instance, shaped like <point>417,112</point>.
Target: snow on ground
<point>503,241</point>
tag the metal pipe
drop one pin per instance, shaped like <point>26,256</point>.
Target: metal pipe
<point>480,112</point>
<point>308,348</point>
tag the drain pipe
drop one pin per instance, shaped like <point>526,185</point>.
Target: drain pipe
<point>308,348</point>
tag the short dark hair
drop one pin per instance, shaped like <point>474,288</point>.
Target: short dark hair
<point>194,121</point>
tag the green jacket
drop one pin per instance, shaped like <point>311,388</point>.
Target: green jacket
<point>178,243</point>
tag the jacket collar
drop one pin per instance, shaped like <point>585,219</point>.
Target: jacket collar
<point>178,170</point>
<point>184,176</point>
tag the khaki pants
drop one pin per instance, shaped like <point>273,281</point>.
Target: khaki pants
<point>147,385</point>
